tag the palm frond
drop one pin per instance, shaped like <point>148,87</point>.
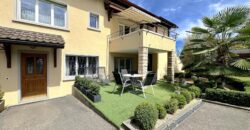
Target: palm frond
<point>199,30</point>
<point>241,64</point>
<point>208,22</point>
<point>197,40</point>
<point>232,16</point>
<point>245,30</point>
<point>206,51</point>
<point>240,38</point>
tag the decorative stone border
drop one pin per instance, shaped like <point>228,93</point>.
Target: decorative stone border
<point>171,122</point>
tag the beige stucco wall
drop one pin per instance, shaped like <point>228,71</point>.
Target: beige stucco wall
<point>79,41</point>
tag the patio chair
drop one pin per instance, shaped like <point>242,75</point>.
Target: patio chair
<point>119,81</point>
<point>149,81</point>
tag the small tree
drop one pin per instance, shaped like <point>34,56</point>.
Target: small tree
<point>213,44</point>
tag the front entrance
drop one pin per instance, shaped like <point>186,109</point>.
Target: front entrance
<point>33,74</point>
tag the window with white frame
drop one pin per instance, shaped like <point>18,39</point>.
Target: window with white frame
<point>81,65</point>
<point>94,21</point>
<point>42,12</point>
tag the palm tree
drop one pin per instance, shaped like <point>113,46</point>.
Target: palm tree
<point>214,43</point>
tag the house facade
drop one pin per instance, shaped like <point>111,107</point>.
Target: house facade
<point>45,44</point>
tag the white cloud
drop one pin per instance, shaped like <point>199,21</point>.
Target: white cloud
<point>171,9</point>
<point>186,25</point>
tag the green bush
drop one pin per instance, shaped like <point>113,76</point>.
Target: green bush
<point>94,88</point>
<point>196,90</point>
<point>203,85</point>
<point>161,111</point>
<point>187,95</point>
<point>231,97</point>
<point>1,95</point>
<point>82,82</point>
<point>171,106</point>
<point>146,116</point>
<point>192,95</point>
<point>181,100</point>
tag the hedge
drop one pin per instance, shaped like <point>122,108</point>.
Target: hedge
<point>230,97</point>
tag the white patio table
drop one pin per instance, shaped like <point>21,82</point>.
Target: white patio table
<point>133,77</point>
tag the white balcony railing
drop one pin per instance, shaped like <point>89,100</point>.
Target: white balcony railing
<point>171,34</point>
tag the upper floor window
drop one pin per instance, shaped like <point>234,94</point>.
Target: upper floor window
<point>94,21</point>
<point>42,12</point>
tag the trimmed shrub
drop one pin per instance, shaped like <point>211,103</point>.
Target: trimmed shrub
<point>192,95</point>
<point>161,111</point>
<point>171,106</point>
<point>186,94</point>
<point>146,116</point>
<point>181,100</point>
<point>230,97</point>
<point>196,90</point>
<point>236,83</point>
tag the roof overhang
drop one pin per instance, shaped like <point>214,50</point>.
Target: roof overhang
<point>11,36</point>
<point>137,15</point>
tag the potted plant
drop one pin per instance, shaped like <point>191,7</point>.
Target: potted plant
<point>94,95</point>
<point>1,101</point>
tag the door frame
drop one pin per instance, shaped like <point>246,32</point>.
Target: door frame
<point>19,68</point>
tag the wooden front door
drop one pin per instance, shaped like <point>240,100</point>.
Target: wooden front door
<point>34,74</point>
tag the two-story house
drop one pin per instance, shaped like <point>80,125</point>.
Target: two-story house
<point>46,43</point>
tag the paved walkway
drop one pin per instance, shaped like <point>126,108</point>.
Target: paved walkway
<point>66,113</point>
<point>217,117</point>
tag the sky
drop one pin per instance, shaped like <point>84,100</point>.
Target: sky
<point>187,13</point>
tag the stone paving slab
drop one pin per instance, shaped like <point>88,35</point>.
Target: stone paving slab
<point>217,117</point>
<point>66,113</point>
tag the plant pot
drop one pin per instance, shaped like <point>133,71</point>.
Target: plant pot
<point>94,97</point>
<point>85,91</point>
<point>1,105</point>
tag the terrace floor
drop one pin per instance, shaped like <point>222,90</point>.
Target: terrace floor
<point>216,117</point>
<point>120,108</point>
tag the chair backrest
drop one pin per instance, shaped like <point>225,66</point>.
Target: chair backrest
<point>124,71</point>
<point>118,78</point>
<point>150,79</point>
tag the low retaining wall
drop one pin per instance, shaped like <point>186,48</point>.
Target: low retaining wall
<point>82,98</point>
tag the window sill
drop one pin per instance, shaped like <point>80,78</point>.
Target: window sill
<point>94,29</point>
<point>41,25</point>
<point>72,78</point>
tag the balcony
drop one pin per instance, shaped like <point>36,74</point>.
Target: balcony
<point>130,42</point>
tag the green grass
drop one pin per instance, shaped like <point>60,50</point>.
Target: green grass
<point>246,80</point>
<point>120,108</point>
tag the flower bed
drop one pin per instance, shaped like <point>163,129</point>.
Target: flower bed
<point>89,88</point>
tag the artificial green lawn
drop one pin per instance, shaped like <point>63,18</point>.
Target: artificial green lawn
<point>246,80</point>
<point>120,108</point>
